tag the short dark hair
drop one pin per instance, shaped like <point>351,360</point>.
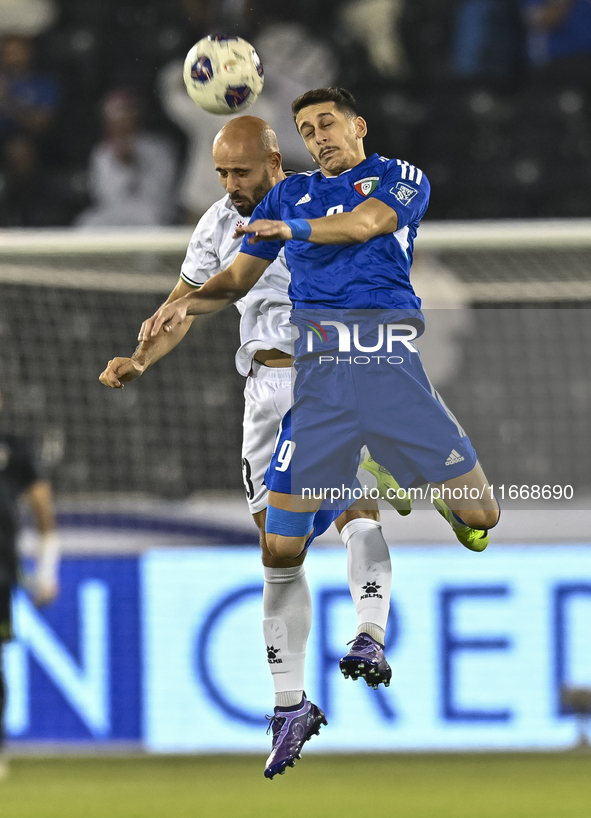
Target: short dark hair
<point>343,99</point>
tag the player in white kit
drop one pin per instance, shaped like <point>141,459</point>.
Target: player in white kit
<point>248,162</point>
<point>264,355</point>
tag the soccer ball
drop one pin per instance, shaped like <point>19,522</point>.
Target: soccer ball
<point>223,75</point>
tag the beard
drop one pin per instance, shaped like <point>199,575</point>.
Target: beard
<point>258,194</point>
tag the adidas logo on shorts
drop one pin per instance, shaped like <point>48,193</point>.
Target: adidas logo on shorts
<point>454,457</point>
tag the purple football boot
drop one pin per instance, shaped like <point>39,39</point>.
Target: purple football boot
<point>366,660</point>
<point>292,727</point>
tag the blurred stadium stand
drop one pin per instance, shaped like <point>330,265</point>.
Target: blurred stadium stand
<point>516,145</point>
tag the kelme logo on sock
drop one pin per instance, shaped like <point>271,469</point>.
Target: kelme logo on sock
<point>272,655</point>
<point>371,590</point>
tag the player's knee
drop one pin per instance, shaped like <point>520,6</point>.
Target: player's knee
<point>285,548</point>
<point>353,513</point>
<point>286,532</point>
<point>480,518</point>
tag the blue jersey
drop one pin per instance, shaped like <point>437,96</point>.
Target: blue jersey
<point>373,275</point>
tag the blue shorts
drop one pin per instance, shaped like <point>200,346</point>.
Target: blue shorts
<point>323,519</point>
<point>345,400</point>
<point>278,478</point>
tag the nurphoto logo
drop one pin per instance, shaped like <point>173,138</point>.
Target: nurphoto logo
<point>387,336</point>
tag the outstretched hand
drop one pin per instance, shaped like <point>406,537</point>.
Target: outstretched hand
<point>166,318</point>
<point>120,371</point>
<point>264,230</point>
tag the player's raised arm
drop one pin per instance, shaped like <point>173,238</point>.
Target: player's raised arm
<point>220,291</point>
<point>369,219</point>
<point>122,370</point>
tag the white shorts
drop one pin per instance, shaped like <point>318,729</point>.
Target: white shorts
<point>267,397</point>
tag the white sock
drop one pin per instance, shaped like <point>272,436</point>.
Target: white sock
<point>370,575</point>
<point>287,618</point>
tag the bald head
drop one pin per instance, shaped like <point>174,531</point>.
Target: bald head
<point>248,162</point>
<point>253,133</point>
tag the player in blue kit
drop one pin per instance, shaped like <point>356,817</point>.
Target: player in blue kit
<point>348,231</point>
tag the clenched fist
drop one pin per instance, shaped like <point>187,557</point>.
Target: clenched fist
<point>120,371</point>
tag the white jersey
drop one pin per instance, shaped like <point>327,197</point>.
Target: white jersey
<point>264,311</point>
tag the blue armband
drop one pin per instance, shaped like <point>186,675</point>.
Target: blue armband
<point>300,229</point>
<point>289,523</point>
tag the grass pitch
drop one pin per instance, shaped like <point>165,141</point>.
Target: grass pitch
<point>405,786</point>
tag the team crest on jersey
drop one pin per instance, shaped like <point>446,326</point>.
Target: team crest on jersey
<point>367,185</point>
<point>404,193</point>
<point>4,456</point>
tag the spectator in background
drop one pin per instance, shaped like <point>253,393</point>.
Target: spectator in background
<point>31,193</point>
<point>559,36</point>
<point>374,24</point>
<point>486,40</point>
<point>28,99</point>
<point>19,477</point>
<point>132,173</point>
<point>425,30</point>
<point>25,191</point>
